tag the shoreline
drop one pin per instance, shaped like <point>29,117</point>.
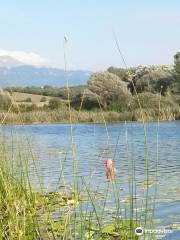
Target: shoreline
<point>63,116</point>
<point>84,123</point>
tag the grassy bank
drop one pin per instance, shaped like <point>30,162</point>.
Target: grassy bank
<point>17,108</point>
<point>62,116</point>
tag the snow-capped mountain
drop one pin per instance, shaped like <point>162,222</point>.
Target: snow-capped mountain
<point>9,62</point>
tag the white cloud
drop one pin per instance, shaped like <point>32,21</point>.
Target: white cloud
<point>28,58</point>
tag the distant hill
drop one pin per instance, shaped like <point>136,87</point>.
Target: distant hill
<point>15,73</point>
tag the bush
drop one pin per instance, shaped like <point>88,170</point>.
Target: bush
<point>23,108</point>
<point>5,101</point>
<point>152,101</point>
<point>54,103</point>
<point>86,100</point>
<point>43,99</point>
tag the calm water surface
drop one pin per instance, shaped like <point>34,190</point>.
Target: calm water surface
<point>55,151</point>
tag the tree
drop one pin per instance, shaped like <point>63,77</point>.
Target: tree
<point>176,85</point>
<point>155,79</point>
<point>110,88</point>
<point>177,62</point>
<point>122,73</point>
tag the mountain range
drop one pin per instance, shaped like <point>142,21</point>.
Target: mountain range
<point>15,73</point>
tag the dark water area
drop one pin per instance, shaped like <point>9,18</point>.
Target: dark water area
<point>58,147</point>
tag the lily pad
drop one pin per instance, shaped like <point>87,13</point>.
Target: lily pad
<point>175,225</point>
<point>89,235</point>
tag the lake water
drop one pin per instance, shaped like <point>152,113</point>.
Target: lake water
<point>58,147</point>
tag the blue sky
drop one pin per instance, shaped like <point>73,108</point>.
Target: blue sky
<point>148,31</point>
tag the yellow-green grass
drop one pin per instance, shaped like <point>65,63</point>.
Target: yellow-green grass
<point>62,116</point>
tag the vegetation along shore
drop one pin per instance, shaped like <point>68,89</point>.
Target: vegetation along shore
<point>134,94</point>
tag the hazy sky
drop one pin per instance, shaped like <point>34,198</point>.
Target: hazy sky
<point>148,31</point>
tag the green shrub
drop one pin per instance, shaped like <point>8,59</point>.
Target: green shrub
<point>43,99</point>
<point>54,103</point>
<point>5,101</point>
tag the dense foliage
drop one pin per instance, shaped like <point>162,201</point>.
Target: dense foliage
<point>122,73</point>
<point>176,84</point>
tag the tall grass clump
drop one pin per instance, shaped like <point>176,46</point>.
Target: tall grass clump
<point>27,210</point>
<point>17,205</point>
